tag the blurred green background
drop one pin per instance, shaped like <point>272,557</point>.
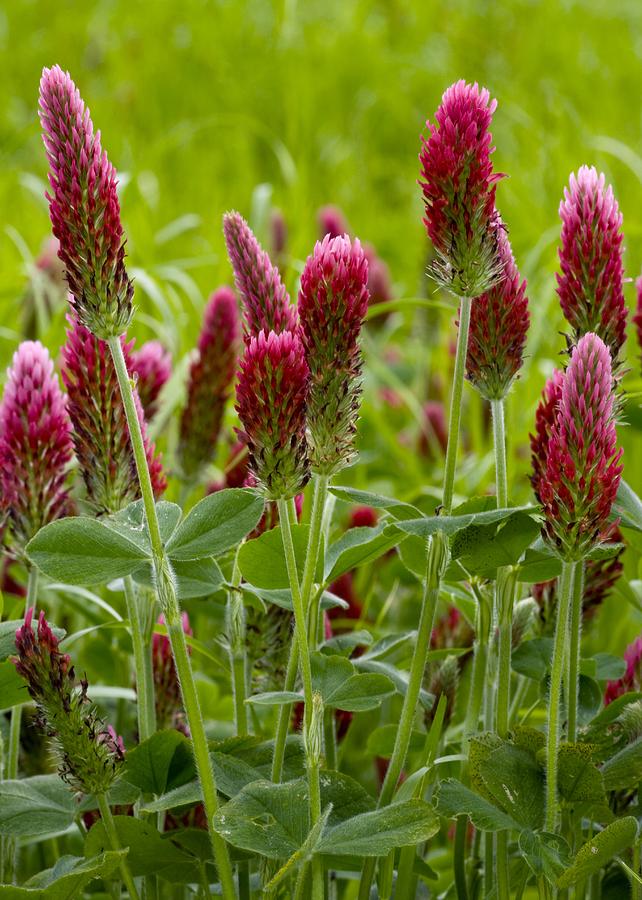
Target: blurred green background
<point>205,106</point>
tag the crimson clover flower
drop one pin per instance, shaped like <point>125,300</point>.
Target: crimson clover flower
<point>333,301</point>
<point>35,443</point>
<point>84,209</point>
<point>210,381</point>
<point>458,185</point>
<point>632,678</point>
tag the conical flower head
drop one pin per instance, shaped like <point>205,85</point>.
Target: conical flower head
<point>35,444</point>
<point>152,366</point>
<point>582,474</point>
<point>84,209</point>
<point>499,323</point>
<point>333,301</point>
<point>271,397</point>
<point>458,185</point>
<point>210,381</point>
<point>590,283</point>
<point>266,302</point>
<point>89,754</point>
<point>100,432</point>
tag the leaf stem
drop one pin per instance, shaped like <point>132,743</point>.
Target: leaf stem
<point>164,582</point>
<point>112,836</point>
<point>574,651</point>
<point>454,420</point>
<point>566,581</point>
<point>146,703</point>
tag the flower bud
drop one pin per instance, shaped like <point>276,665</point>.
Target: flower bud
<point>313,735</point>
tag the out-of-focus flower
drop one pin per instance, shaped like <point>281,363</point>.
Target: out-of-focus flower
<point>545,417</point>
<point>433,440</point>
<point>210,381</point>
<point>451,630</point>
<point>344,588</point>
<point>167,690</point>
<point>152,366</point>
<point>35,444</point>
<point>271,398</point>
<point>269,636</point>
<point>333,301</point>
<point>100,433</point>
<point>590,283</point>
<point>632,678</point>
<point>266,302</point>
<point>582,474</point>
<point>499,323</point>
<point>46,290</point>
<point>332,222</point>
<point>89,754</point>
<point>278,238</point>
<point>84,209</point>
<point>458,185</point>
<point>363,517</point>
<point>637,318</point>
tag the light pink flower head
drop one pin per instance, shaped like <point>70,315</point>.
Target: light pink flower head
<point>582,474</point>
<point>458,185</point>
<point>590,283</point>
<point>84,209</point>
<point>152,366</point>
<point>35,443</point>
<point>265,298</point>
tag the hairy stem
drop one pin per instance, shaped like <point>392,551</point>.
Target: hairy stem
<point>235,614</point>
<point>112,836</point>
<point>145,699</point>
<point>312,602</point>
<point>574,651</point>
<point>169,604</point>
<point>454,420</point>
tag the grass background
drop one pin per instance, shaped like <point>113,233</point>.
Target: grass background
<point>205,106</point>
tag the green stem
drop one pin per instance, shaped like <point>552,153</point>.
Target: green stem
<point>236,641</point>
<point>112,836</point>
<point>437,556</point>
<point>306,676</point>
<point>574,651</point>
<point>459,857</point>
<point>330,739</point>
<point>499,443</point>
<point>455,403</point>
<point>478,674</point>
<point>171,610</point>
<point>555,696</point>
<point>285,712</point>
<point>145,700</point>
<point>312,602</point>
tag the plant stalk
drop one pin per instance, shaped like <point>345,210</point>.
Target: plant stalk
<point>145,699</point>
<point>235,614</point>
<point>566,582</point>
<point>312,601</point>
<point>454,420</point>
<point>574,651</point>
<point>112,836</point>
<point>171,610</point>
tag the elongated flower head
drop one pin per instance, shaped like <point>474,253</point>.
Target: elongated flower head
<point>499,323</point>
<point>84,209</point>
<point>89,753</point>
<point>333,301</point>
<point>152,366</point>
<point>167,691</point>
<point>637,318</point>
<point>271,398</point>
<point>101,436</point>
<point>35,444</point>
<point>266,302</point>
<point>545,417</point>
<point>210,381</point>
<point>590,283</point>
<point>579,483</point>
<point>458,185</point>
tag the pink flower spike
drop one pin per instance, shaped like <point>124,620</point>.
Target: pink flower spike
<point>632,678</point>
<point>590,283</point>
<point>210,381</point>
<point>258,281</point>
<point>35,443</point>
<point>332,222</point>
<point>152,366</point>
<point>499,323</point>
<point>637,318</point>
<point>100,433</point>
<point>458,185</point>
<point>333,301</point>
<point>271,398</point>
<point>84,209</point>
<point>579,482</point>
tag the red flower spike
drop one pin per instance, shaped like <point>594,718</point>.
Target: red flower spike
<point>458,185</point>
<point>84,209</point>
<point>152,366</point>
<point>35,444</point>
<point>632,678</point>
<point>590,283</point>
<point>333,301</point>
<point>545,417</point>
<point>271,398</point>
<point>210,381</point>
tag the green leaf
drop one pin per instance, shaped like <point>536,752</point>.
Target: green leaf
<point>161,762</point>
<point>378,832</point>
<point>399,677</point>
<point>217,523</point>
<point>624,770</point>
<point>346,643</point>
<point>342,688</point>
<point>600,850</point>
<point>366,498</point>
<point>283,598</point>
<point>455,799</point>
<point>482,549</point>
<point>359,546</point>
<point>628,507</point>
<point>149,853</point>
<point>13,688</point>
<point>194,577</point>
<point>533,658</point>
<point>131,522</point>
<point>579,780</point>
<point>304,853</point>
<point>67,878</point>
<point>275,698</point>
<point>33,806</point>
<point>450,525</point>
<point>539,565</point>
<point>515,782</point>
<point>382,741</point>
<point>262,561</point>
<point>546,854</point>
<point>603,667</point>
<point>85,551</point>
